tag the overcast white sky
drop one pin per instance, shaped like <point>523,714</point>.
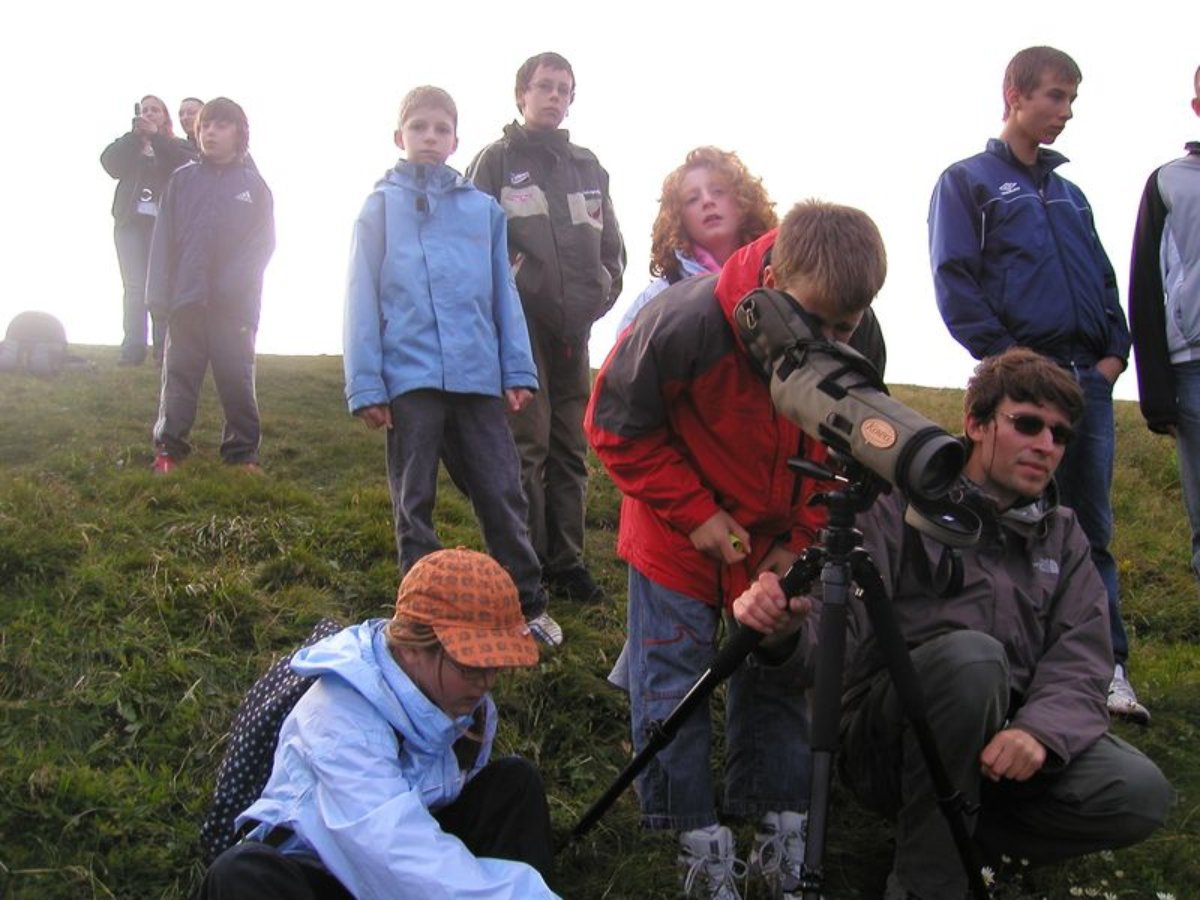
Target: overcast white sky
<point>859,103</point>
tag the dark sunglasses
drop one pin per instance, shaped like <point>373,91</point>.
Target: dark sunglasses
<point>1031,426</point>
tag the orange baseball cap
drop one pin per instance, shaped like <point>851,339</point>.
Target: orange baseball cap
<point>471,603</point>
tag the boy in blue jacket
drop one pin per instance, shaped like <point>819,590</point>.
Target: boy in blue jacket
<point>214,235</point>
<point>436,347</point>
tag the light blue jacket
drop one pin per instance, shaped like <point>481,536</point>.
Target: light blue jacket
<point>430,299</point>
<point>687,268</point>
<point>359,799</point>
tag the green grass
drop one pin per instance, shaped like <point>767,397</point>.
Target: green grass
<point>135,610</point>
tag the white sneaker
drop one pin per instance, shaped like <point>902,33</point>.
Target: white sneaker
<point>546,630</point>
<point>707,867</point>
<point>778,853</point>
<point>1122,701</point>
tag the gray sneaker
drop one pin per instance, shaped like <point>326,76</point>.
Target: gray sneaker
<point>778,853</point>
<point>707,867</point>
<point>1123,702</point>
<point>546,630</point>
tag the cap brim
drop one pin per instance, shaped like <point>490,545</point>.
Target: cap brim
<point>488,647</point>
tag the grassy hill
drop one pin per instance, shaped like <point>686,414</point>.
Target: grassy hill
<point>135,610</point>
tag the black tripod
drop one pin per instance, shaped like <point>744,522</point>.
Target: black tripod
<point>839,561</point>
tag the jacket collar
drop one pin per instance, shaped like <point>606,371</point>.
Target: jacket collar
<point>1027,519</point>
<point>424,177</point>
<point>1047,160</point>
<point>742,273</point>
<point>559,137</point>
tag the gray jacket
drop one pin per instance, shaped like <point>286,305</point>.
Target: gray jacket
<point>563,237</point>
<point>1030,584</point>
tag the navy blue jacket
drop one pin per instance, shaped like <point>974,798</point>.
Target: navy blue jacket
<point>1016,261</point>
<point>213,238</point>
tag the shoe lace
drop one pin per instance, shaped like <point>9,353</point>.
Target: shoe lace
<point>718,874</point>
<point>781,853</point>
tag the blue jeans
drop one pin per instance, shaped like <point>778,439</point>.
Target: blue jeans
<point>133,254</point>
<point>1085,482</point>
<point>768,765</point>
<point>1187,447</point>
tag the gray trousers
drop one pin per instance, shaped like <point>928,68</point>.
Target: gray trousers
<point>1109,796</point>
<point>196,338</point>
<point>553,449</point>
<point>470,429</point>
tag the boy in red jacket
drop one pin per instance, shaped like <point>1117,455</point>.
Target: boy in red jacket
<point>683,421</point>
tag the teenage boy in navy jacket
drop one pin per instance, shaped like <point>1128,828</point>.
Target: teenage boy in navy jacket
<point>1017,262</point>
<point>214,236</point>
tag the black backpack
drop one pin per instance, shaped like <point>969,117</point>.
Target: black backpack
<point>250,753</point>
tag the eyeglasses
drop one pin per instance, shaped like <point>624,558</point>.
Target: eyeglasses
<point>473,674</point>
<point>1031,425</point>
<point>553,87</point>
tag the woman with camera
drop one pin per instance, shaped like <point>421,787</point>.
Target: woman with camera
<point>142,161</point>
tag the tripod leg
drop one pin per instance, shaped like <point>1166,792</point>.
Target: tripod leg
<point>739,645</point>
<point>908,689</point>
<point>826,713</point>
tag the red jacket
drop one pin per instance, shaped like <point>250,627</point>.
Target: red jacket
<point>684,424</point>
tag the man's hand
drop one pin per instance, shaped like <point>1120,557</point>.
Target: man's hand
<point>517,398</point>
<point>1111,368</point>
<point>1012,753</point>
<point>379,416</point>
<point>764,607</point>
<point>721,538</point>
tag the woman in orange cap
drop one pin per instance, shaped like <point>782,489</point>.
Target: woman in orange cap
<point>383,784</point>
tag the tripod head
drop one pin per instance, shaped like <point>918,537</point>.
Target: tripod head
<point>946,521</point>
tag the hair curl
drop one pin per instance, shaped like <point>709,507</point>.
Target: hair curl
<point>755,209</point>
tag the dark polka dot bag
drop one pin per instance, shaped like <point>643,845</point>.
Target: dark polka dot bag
<point>250,753</point>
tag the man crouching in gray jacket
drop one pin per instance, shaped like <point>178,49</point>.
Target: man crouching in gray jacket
<point>1014,663</point>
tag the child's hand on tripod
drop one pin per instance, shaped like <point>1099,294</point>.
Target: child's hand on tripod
<point>764,608</point>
